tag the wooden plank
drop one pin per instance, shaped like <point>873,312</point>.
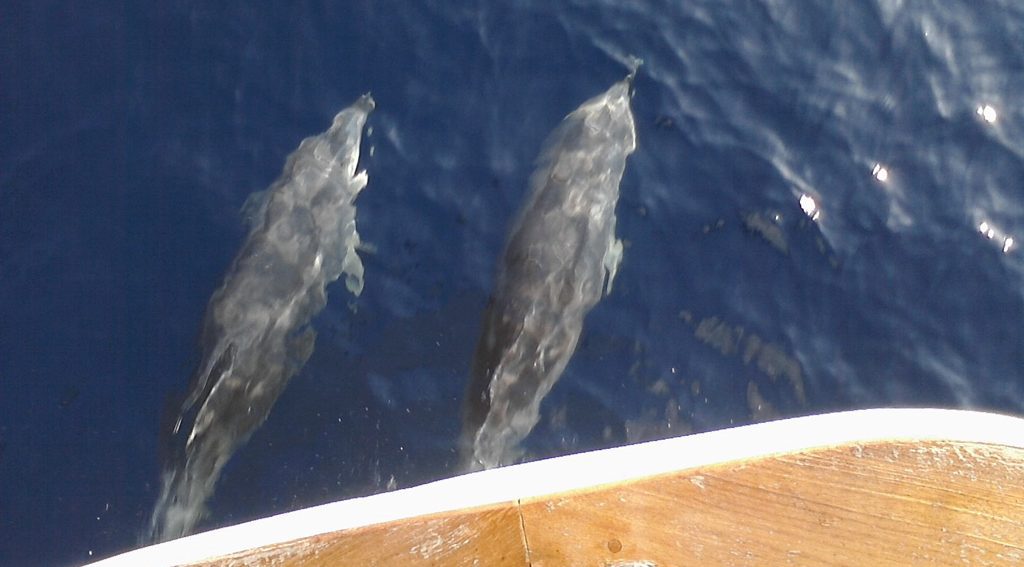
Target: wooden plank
<point>879,487</point>
<point>493,532</point>
<point>862,504</point>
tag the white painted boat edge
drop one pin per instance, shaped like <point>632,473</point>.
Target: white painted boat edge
<point>587,470</point>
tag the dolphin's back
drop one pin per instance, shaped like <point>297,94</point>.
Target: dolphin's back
<point>256,332</point>
<point>560,255</point>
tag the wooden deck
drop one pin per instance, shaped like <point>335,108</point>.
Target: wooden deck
<point>875,487</point>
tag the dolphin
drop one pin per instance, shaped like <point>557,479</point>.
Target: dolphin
<point>560,258</point>
<point>256,333</point>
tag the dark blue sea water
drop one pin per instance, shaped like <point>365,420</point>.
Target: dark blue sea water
<point>825,212</point>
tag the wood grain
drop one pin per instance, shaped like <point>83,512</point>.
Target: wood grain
<point>870,504</point>
<point>886,486</point>
<point>492,534</point>
<point>882,503</point>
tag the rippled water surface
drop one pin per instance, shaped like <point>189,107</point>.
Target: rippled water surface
<point>825,211</point>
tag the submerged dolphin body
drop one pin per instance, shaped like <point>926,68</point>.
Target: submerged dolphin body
<point>561,254</point>
<point>256,334</point>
